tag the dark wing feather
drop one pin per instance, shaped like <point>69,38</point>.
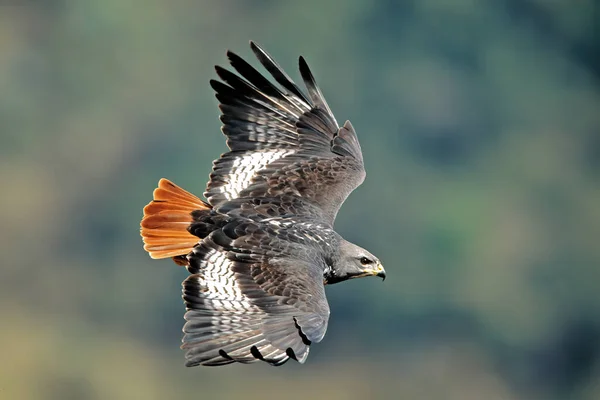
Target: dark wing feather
<point>318,100</point>
<point>282,141</point>
<point>262,208</point>
<point>244,304</point>
<point>277,72</point>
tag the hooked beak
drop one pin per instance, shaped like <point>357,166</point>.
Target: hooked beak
<point>377,271</point>
<point>380,271</point>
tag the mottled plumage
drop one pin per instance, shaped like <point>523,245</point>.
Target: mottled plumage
<point>262,247</point>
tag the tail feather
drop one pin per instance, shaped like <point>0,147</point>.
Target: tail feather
<point>164,227</point>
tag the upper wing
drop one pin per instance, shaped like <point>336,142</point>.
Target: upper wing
<point>282,141</point>
<point>247,305</point>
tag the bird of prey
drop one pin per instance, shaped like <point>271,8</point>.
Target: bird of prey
<point>261,248</point>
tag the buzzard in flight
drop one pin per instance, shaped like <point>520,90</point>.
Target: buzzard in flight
<point>261,248</point>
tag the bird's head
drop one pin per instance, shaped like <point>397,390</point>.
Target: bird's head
<point>353,262</point>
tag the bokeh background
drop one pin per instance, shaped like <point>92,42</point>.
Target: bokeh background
<point>480,126</point>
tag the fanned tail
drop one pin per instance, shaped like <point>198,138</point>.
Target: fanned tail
<point>164,227</point>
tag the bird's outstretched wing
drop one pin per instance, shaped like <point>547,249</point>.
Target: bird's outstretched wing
<point>282,141</point>
<point>247,300</point>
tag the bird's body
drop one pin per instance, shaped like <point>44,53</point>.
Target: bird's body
<point>262,248</point>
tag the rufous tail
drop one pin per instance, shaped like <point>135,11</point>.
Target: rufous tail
<point>166,219</point>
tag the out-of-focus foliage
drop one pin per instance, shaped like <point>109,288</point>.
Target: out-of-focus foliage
<point>480,127</point>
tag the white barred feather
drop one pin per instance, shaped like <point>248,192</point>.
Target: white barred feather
<point>217,277</point>
<point>244,169</point>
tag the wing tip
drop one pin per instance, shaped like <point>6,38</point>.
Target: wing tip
<point>255,46</point>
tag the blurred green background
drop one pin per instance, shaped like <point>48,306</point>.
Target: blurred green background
<point>480,127</point>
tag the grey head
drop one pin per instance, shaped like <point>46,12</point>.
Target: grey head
<point>351,262</point>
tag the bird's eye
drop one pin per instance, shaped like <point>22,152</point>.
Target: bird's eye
<point>365,261</point>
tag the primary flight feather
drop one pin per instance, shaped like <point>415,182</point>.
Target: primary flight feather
<point>262,247</point>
